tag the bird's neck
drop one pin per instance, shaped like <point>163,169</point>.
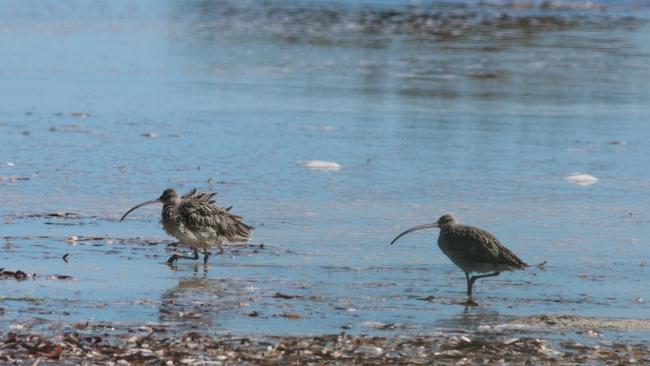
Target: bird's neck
<point>169,207</point>
<point>446,227</point>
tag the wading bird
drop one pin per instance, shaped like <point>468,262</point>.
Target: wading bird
<point>472,249</point>
<point>197,222</point>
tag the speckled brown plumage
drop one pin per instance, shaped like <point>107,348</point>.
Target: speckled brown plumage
<point>197,222</point>
<point>476,250</point>
<point>198,212</point>
<point>472,250</point>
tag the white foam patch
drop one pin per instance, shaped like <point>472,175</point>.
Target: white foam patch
<point>582,179</point>
<point>321,165</point>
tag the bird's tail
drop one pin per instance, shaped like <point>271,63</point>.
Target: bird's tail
<point>538,265</point>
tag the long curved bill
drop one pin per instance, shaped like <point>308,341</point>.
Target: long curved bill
<point>421,227</point>
<point>157,200</point>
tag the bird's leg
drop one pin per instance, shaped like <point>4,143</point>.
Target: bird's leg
<point>474,278</point>
<point>470,284</point>
<point>221,250</point>
<point>177,256</point>
<point>206,255</point>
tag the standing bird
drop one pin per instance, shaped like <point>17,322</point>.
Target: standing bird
<point>197,223</point>
<point>472,249</point>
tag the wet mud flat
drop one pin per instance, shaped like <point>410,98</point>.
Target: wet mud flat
<point>107,343</point>
<point>495,111</point>
<point>73,294</point>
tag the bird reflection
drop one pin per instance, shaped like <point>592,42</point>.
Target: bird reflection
<point>198,302</point>
<point>472,317</point>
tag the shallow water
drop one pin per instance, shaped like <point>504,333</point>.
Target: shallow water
<point>479,110</point>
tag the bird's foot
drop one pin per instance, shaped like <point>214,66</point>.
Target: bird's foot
<point>177,256</point>
<point>172,259</point>
<point>469,302</point>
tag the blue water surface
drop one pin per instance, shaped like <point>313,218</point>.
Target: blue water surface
<point>480,109</point>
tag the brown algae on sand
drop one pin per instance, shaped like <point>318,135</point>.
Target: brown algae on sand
<point>582,322</point>
<point>91,345</point>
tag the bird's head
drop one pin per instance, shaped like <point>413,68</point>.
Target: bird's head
<point>446,221</point>
<point>443,222</point>
<point>168,197</point>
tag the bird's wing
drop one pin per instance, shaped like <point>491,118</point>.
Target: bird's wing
<point>189,194</point>
<point>196,195</point>
<point>484,247</point>
<point>199,212</point>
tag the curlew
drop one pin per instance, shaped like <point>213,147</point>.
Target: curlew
<point>472,249</point>
<point>197,222</point>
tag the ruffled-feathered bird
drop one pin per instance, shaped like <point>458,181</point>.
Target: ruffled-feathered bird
<point>197,222</point>
<point>472,249</point>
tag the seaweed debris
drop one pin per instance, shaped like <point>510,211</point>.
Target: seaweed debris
<point>157,347</point>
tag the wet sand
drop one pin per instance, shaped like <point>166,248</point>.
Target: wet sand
<point>208,319</point>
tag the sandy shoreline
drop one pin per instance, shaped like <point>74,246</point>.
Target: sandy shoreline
<point>107,343</point>
<point>330,127</point>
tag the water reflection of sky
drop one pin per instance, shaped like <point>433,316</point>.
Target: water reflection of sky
<point>485,124</point>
